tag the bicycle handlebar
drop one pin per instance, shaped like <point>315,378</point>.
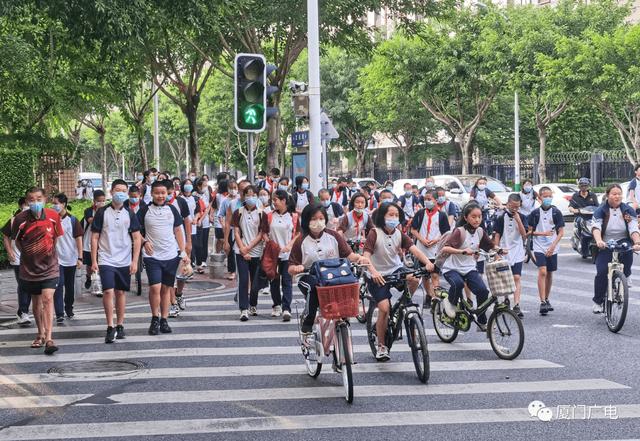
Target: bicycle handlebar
<point>621,247</point>
<point>489,254</point>
<point>401,276</point>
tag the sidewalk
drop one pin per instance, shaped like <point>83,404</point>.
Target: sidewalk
<point>199,284</point>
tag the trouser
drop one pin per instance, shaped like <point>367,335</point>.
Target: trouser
<point>24,298</point>
<point>194,248</point>
<point>64,303</point>
<point>474,282</point>
<point>307,286</point>
<point>139,275</point>
<point>282,278</point>
<point>247,274</point>
<point>231,257</point>
<point>602,268</point>
<point>202,251</point>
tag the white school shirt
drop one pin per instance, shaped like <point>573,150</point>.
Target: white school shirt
<point>430,234</point>
<point>281,230</point>
<point>542,243</point>
<point>159,222</point>
<point>512,240</point>
<point>66,244</point>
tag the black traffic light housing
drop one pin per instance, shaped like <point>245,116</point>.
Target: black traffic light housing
<point>251,92</point>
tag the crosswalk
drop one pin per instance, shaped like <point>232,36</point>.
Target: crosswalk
<point>215,375</point>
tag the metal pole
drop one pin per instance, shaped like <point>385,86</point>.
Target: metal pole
<point>123,172</point>
<point>188,164</point>
<point>516,139</point>
<point>325,164</point>
<point>156,131</point>
<point>315,146</point>
<point>250,173</point>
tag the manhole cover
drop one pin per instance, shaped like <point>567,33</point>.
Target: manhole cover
<point>203,285</point>
<point>97,369</point>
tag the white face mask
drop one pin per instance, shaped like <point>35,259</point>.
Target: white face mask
<point>317,226</point>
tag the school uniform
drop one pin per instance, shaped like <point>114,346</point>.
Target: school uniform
<point>431,224</point>
<point>542,220</point>
<point>68,259</point>
<point>511,239</point>
<point>385,250</point>
<point>282,228</point>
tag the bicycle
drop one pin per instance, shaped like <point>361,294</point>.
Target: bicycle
<point>404,310</point>
<point>330,337</point>
<point>357,246</point>
<point>504,327</point>
<point>616,303</point>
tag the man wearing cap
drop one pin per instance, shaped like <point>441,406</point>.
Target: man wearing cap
<point>581,199</point>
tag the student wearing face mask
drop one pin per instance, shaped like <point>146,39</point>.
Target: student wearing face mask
<point>265,201</point>
<point>133,204</point>
<point>429,185</point>
<point>270,183</point>
<point>149,177</point>
<point>546,225</point>
<point>283,184</point>
<point>388,185</point>
<point>340,194</point>
<point>372,203</point>
<point>334,210</point>
<point>69,249</point>
<point>251,228</point>
<point>529,198</point>
<point>302,196</point>
<point>204,225</point>
<point>24,299</point>
<point>386,197</point>
<point>409,202</point>
<point>222,192</point>
<point>316,243</point>
<point>99,199</point>
<point>385,247</point>
<point>482,195</point>
<point>355,225</point>
<point>449,207</point>
<point>333,184</point>
<point>229,206</point>
<point>353,188</point>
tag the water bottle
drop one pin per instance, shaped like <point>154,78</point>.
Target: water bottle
<point>96,285</point>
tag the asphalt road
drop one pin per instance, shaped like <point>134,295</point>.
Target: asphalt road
<point>215,377</point>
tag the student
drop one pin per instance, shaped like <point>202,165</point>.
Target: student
<point>372,202</point>
<point>35,233</point>
<point>529,198</point>
<point>355,225</point>
<point>270,183</point>
<point>163,249</point>
<point>340,194</point>
<point>634,185</point>
<point>265,201</point>
<point>149,178</point>
<point>177,186</point>
<point>283,184</point>
<point>250,229</point>
<point>191,199</point>
<point>482,195</point>
<point>230,205</point>
<point>510,232</point>
<point>69,249</point>
<point>546,225</point>
<point>384,247</point>
<point>332,184</point>
<point>204,224</point>
<point>427,227</point>
<point>334,210</point>
<point>409,202</point>
<point>302,196</point>
<point>133,204</point>
<point>262,176</point>
<point>24,299</point>
<point>429,184</point>
<point>99,199</point>
<point>115,249</point>
<point>449,207</point>
<point>222,192</point>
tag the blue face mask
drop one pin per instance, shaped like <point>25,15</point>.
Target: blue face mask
<point>389,187</point>
<point>429,205</point>
<point>188,188</point>
<point>119,197</point>
<point>391,223</point>
<point>305,186</point>
<point>134,200</point>
<point>442,199</point>
<point>57,208</point>
<point>326,203</point>
<point>168,198</point>
<point>36,208</point>
<point>385,201</point>
<point>407,193</point>
<point>251,201</point>
<point>547,202</point>
<point>283,187</point>
<point>526,189</point>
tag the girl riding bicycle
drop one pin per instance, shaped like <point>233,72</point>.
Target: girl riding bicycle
<point>385,246</point>
<point>316,243</point>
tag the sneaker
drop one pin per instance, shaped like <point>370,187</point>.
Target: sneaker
<point>382,354</point>
<point>24,319</point>
<point>120,332</point>
<point>164,326</point>
<point>154,329</point>
<point>182,303</point>
<point>265,291</point>
<point>244,315</point>
<point>516,309</point>
<point>449,309</point>
<point>276,311</point>
<point>629,282</point>
<point>286,316</point>
<point>70,314</point>
<point>204,264</point>
<point>543,308</point>
<point>549,307</point>
<point>173,311</point>
<point>99,294</point>
<point>87,283</point>
<point>598,308</point>
<point>253,311</point>
<point>60,319</point>
<point>111,335</point>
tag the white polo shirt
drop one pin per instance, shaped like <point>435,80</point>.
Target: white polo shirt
<point>66,244</point>
<point>115,227</point>
<point>158,223</point>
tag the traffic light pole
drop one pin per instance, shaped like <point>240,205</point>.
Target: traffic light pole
<point>315,145</point>
<point>250,173</point>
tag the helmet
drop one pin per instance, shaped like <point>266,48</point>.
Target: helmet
<point>584,181</point>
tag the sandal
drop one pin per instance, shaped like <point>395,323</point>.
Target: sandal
<point>37,343</point>
<point>50,347</point>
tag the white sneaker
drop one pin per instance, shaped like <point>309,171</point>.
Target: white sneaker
<point>629,284</point>
<point>449,309</point>
<point>24,319</point>
<point>204,264</point>
<point>382,354</point>
<point>276,311</point>
<point>253,311</point>
<point>182,303</point>
<point>244,315</point>
<point>286,316</point>
<point>174,311</point>
<point>265,291</point>
<point>597,308</point>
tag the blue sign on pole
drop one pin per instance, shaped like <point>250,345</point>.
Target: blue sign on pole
<point>299,139</point>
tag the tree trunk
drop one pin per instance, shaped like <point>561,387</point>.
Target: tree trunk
<point>542,163</point>
<point>273,135</point>
<point>142,148</point>
<point>103,161</point>
<point>464,143</point>
<point>361,153</point>
<point>191,112</point>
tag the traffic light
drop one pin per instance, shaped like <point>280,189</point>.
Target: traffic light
<point>252,91</point>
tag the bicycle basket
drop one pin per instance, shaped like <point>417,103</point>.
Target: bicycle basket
<point>339,301</point>
<point>500,278</point>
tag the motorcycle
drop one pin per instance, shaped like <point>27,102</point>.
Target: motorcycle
<point>582,233</point>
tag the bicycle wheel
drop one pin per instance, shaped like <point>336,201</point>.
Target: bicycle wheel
<point>445,330</point>
<point>372,335</point>
<point>418,343</point>
<point>362,309</point>
<point>616,309</point>
<point>310,354</point>
<point>506,333</point>
<point>344,344</point>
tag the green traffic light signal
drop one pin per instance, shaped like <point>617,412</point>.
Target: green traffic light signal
<point>252,116</point>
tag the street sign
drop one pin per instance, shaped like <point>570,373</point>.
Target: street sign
<point>328,131</point>
<point>300,139</point>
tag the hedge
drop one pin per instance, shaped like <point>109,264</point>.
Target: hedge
<point>16,173</point>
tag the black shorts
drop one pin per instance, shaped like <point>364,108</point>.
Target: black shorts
<point>35,288</point>
<point>551,263</point>
<point>161,271</point>
<point>118,278</point>
<point>516,269</point>
<point>219,233</point>
<point>86,258</point>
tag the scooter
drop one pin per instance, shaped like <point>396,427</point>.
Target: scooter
<point>582,233</point>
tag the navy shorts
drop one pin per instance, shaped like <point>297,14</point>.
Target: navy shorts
<point>161,271</point>
<point>117,278</point>
<point>219,232</point>
<point>86,257</point>
<point>35,288</point>
<point>516,269</point>
<point>380,293</point>
<point>550,262</point>
<point>480,266</point>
